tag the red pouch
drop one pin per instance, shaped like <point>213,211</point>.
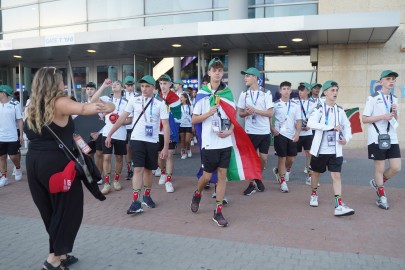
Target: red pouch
<point>62,181</point>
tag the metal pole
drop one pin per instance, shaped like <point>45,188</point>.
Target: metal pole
<point>21,85</point>
<point>72,80</point>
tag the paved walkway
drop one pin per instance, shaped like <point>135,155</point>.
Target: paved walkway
<point>268,230</point>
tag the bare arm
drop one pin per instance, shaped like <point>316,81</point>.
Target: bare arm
<point>98,94</point>
<point>65,106</point>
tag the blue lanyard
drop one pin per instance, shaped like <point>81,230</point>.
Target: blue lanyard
<point>150,111</point>
<point>302,108</point>
<point>326,114</point>
<point>385,102</point>
<point>288,109</point>
<point>186,109</point>
<point>119,104</point>
<point>251,97</point>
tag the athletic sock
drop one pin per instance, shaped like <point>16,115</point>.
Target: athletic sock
<point>107,178</point>
<point>314,190</point>
<point>147,191</point>
<point>282,179</point>
<point>169,178</point>
<point>117,176</point>
<point>197,194</point>
<point>385,179</point>
<point>135,194</point>
<point>219,206</point>
<point>380,191</point>
<point>338,200</point>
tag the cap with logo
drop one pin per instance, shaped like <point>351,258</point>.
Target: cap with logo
<point>165,77</point>
<point>313,85</point>
<point>6,89</point>
<point>329,84</point>
<point>213,61</point>
<point>129,80</point>
<point>387,73</point>
<point>179,82</point>
<point>251,71</point>
<point>122,85</point>
<point>147,79</point>
<point>307,86</point>
<point>91,84</point>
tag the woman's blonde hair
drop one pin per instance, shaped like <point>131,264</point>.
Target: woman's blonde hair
<point>45,91</point>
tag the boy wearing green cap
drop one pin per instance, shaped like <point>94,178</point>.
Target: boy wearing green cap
<point>305,141</point>
<point>128,93</point>
<point>256,106</point>
<point>332,131</point>
<point>118,144</point>
<point>315,93</point>
<point>10,141</point>
<point>178,87</point>
<point>151,112</point>
<point>381,113</point>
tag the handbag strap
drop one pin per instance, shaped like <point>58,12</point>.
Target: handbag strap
<point>142,112</point>
<point>378,131</point>
<point>62,145</point>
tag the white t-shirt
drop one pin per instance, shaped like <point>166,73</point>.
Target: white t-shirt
<point>261,100</point>
<point>308,106</point>
<point>329,147</point>
<point>120,104</point>
<point>127,96</point>
<point>10,112</point>
<point>149,122</point>
<point>286,114</point>
<point>375,105</point>
<point>210,139</point>
<point>186,112</point>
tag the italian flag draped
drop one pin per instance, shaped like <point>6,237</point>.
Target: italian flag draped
<point>245,163</point>
<point>353,115</point>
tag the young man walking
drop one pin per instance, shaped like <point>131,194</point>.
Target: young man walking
<point>332,131</point>
<point>381,113</point>
<point>256,106</point>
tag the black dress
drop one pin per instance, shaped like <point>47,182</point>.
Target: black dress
<point>62,213</point>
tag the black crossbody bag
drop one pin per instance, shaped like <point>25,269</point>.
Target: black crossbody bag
<point>384,140</point>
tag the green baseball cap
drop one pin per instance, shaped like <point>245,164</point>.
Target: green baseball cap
<point>315,84</point>
<point>165,77</point>
<point>147,79</point>
<point>387,73</point>
<point>179,82</point>
<point>307,86</point>
<point>91,84</point>
<point>215,60</point>
<point>329,84</point>
<point>6,89</point>
<point>129,80</point>
<point>251,71</point>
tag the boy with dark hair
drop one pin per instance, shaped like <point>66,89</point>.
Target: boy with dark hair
<point>286,131</point>
<point>332,131</point>
<point>381,113</point>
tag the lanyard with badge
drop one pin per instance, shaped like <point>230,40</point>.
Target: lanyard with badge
<point>284,124</point>
<point>187,112</point>
<point>114,116</point>
<point>393,121</point>
<point>148,127</point>
<point>331,137</point>
<point>254,104</point>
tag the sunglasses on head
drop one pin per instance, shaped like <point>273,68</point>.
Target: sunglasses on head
<point>54,69</point>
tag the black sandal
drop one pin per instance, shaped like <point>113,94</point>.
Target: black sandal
<point>70,259</point>
<point>48,266</point>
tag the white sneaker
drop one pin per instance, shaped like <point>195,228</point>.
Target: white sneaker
<point>284,187</point>
<point>275,171</point>
<point>117,185</point>
<point>169,187</point>
<point>287,176</point>
<point>158,172</point>
<point>192,143</point>
<point>162,179</point>
<point>100,182</point>
<point>153,172</point>
<point>195,140</point>
<point>314,201</point>
<point>308,181</point>
<point>106,189</point>
<point>189,154</point>
<point>18,174</point>
<point>14,170</point>
<point>214,195</point>
<point>382,202</point>
<point>183,156</point>
<point>306,170</point>
<point>3,181</point>
<point>343,210</point>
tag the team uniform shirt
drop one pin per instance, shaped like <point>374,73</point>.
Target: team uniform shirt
<point>10,112</point>
<point>128,96</point>
<point>209,138</point>
<point>286,115</point>
<point>120,104</point>
<point>147,128</point>
<point>306,106</point>
<point>379,104</point>
<point>261,100</point>
<point>186,113</point>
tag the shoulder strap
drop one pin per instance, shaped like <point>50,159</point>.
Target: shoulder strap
<point>62,145</point>
<point>142,112</point>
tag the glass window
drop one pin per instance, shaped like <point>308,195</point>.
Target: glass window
<point>62,12</point>
<point>291,10</point>
<point>164,6</point>
<point>221,15</point>
<point>255,13</point>
<point>80,77</point>
<point>127,70</point>
<point>221,4</point>
<point>63,30</point>
<point>12,3</point>
<point>20,18</point>
<point>107,9</point>
<point>122,24</point>
<point>282,1</point>
<point>24,34</point>
<point>176,19</point>
<point>104,72</point>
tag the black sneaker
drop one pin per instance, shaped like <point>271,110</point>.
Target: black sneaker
<point>129,175</point>
<point>219,219</point>
<point>136,207</point>
<point>195,203</point>
<point>147,201</point>
<point>259,185</point>
<point>250,190</point>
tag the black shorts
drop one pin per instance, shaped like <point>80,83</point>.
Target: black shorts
<point>376,153</point>
<point>96,145</point>
<point>213,159</point>
<point>319,164</point>
<point>304,142</point>
<point>9,148</point>
<point>119,146</point>
<point>129,132</point>
<point>161,143</point>
<point>284,147</point>
<point>144,154</point>
<point>261,142</point>
<point>185,130</point>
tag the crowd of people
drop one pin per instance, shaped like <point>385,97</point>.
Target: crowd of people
<point>145,128</point>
